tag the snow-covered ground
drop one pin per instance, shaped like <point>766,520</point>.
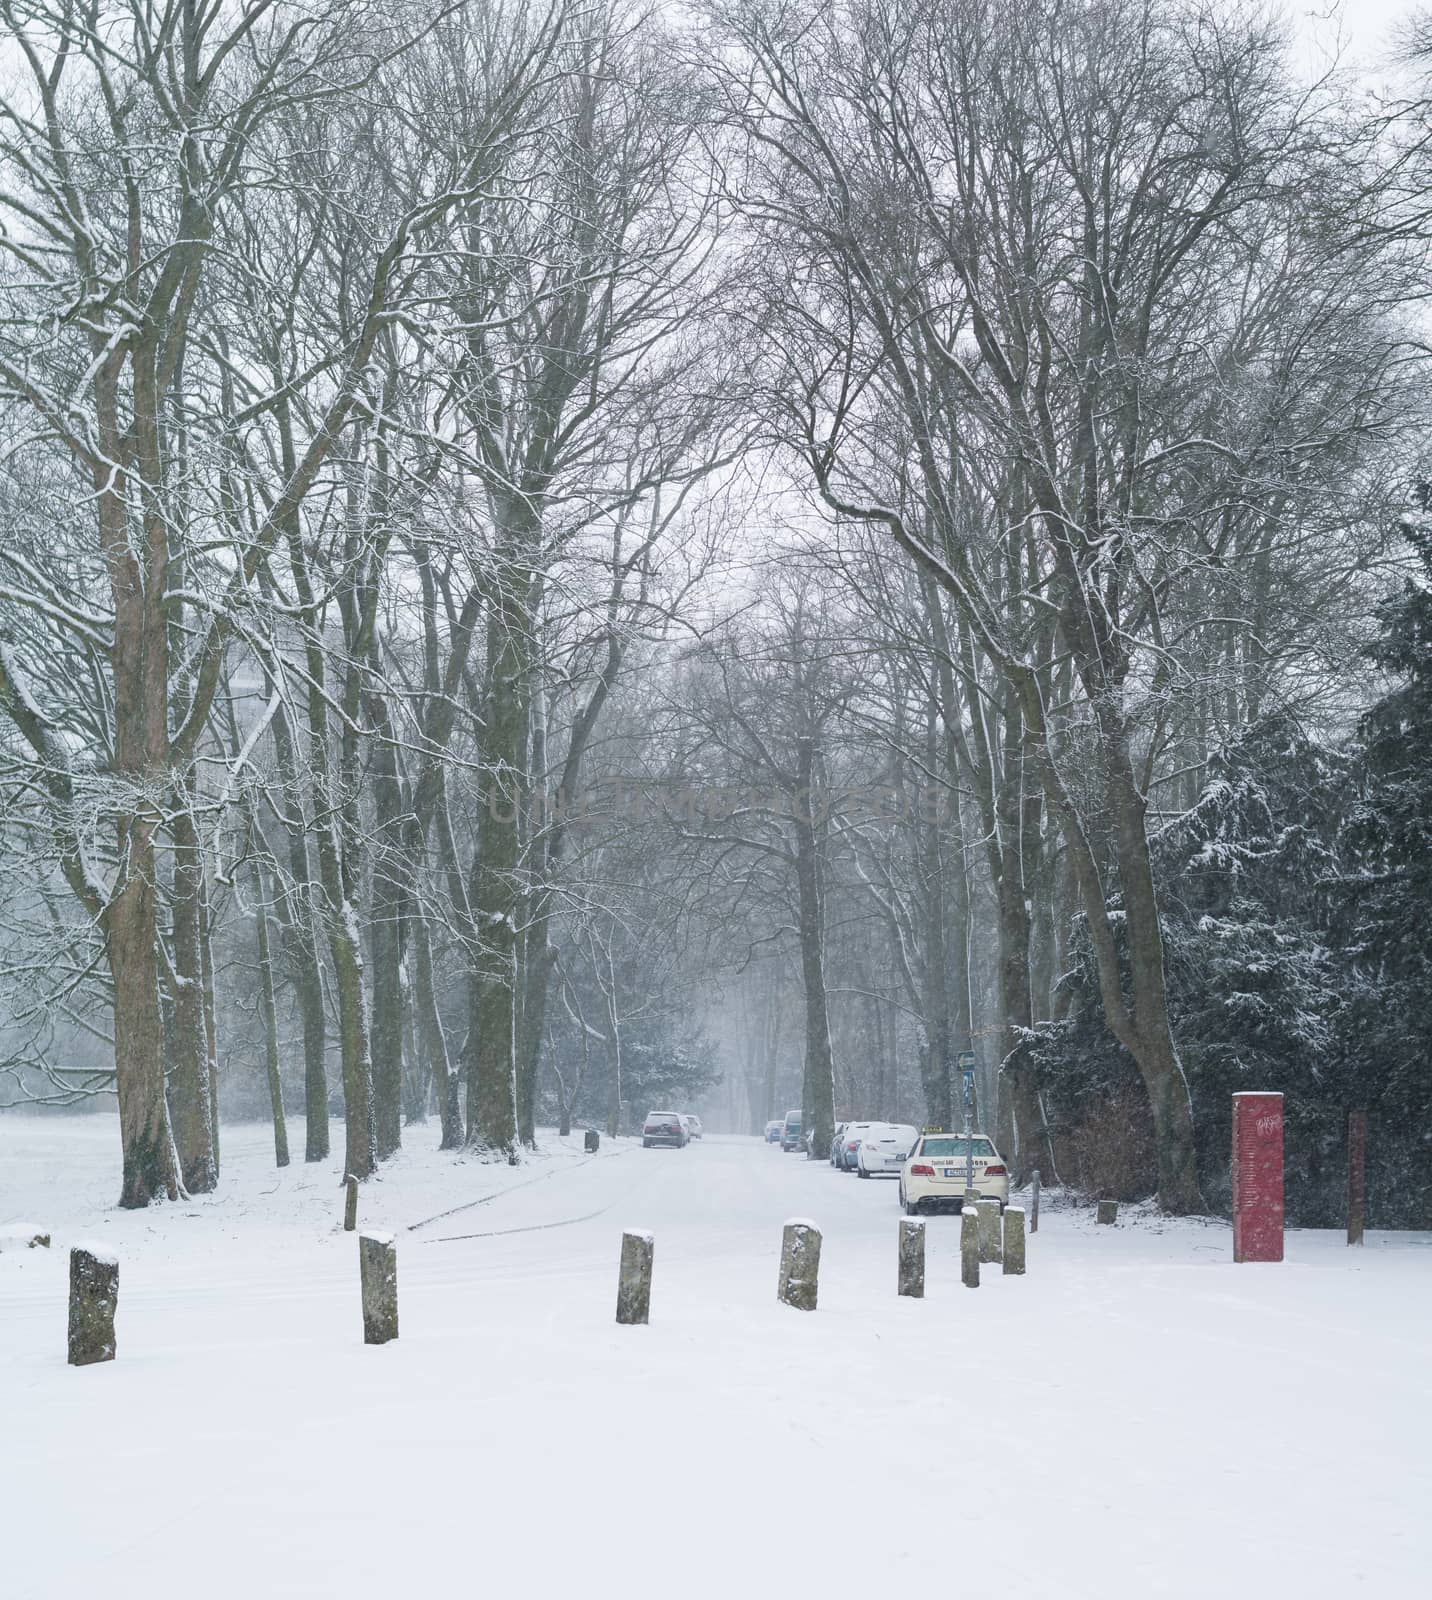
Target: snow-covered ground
<point>1136,1417</point>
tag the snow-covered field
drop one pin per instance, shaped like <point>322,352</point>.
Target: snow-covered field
<point>1135,1417</point>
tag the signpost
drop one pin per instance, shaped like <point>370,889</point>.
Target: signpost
<point>1257,1177</point>
<point>967,1080</point>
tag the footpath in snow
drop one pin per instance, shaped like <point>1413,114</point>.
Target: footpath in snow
<point>1137,1416</point>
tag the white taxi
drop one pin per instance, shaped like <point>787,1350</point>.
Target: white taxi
<point>940,1165</point>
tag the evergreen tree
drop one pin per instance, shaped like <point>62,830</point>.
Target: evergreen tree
<point>1387,895</point>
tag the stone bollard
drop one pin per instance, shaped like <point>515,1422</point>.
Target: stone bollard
<point>28,1234</point>
<point>94,1293</point>
<point>350,1204</point>
<point>593,1142</point>
<point>970,1248</point>
<point>378,1270</point>
<point>1014,1241</point>
<point>634,1279</point>
<point>800,1265</point>
<point>1034,1202</point>
<point>1108,1211</point>
<point>988,1211</point>
<point>912,1259</point>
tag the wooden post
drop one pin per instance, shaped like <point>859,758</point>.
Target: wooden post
<point>1014,1241</point>
<point>378,1272</point>
<point>1034,1202</point>
<point>1108,1211</point>
<point>94,1294</point>
<point>988,1211</point>
<point>800,1265</point>
<point>634,1278</point>
<point>350,1204</point>
<point>1356,1175</point>
<point>970,1248</point>
<point>912,1259</point>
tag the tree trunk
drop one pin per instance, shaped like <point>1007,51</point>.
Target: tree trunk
<point>537,979</point>
<point>211,1020</point>
<point>301,948</point>
<point>132,944</point>
<point>937,1059</point>
<point>190,1105</point>
<point>818,1088</point>
<point>496,894</point>
<point>392,895</point>
<point>445,1080</point>
<point>1153,1045</point>
<point>269,1011</point>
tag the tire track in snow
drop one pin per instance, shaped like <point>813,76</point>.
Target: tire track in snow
<point>512,1188</point>
<point>543,1227</point>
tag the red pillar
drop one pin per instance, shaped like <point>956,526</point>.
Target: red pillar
<point>1257,1177</point>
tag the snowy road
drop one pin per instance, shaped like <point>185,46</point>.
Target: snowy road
<point>1136,1417</point>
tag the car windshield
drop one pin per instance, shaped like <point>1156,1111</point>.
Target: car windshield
<point>956,1148</point>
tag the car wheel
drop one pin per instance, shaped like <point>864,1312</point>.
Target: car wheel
<point>862,1172</point>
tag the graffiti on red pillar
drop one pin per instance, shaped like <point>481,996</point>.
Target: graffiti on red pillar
<point>1257,1177</point>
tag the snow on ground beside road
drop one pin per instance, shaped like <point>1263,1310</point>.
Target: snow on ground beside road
<point>1136,1417</point>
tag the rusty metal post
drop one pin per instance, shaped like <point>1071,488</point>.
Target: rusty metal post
<point>1356,1175</point>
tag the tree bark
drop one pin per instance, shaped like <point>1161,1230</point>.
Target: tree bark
<point>131,942</point>
<point>191,1107</point>
<point>445,1080</point>
<point>818,1089</point>
<point>269,1011</point>
<point>495,896</point>
<point>301,945</point>
<point>391,903</point>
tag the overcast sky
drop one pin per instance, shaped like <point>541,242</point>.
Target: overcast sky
<point>1365,26</point>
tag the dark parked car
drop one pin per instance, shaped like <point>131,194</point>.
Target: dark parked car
<point>791,1138</point>
<point>663,1127</point>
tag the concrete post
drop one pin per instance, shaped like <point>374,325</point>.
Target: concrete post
<point>970,1248</point>
<point>1014,1241</point>
<point>350,1203</point>
<point>800,1265</point>
<point>912,1258</point>
<point>378,1271</point>
<point>1034,1202</point>
<point>1108,1211</point>
<point>593,1141</point>
<point>634,1278</point>
<point>94,1294</point>
<point>988,1211</point>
